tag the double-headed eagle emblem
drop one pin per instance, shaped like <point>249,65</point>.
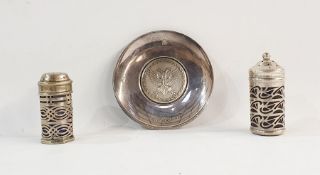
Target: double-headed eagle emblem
<point>164,79</point>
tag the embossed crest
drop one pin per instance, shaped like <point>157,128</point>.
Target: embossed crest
<point>163,80</point>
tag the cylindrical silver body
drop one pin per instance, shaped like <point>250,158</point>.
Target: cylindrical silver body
<point>267,98</point>
<point>56,108</point>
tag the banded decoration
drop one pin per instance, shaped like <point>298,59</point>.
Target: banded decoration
<point>56,118</point>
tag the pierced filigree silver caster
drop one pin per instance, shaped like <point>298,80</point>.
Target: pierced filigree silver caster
<point>267,98</point>
<point>56,108</point>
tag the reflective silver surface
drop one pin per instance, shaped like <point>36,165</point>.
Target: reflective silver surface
<point>163,80</point>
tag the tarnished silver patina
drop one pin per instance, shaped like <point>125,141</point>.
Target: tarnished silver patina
<point>267,111</point>
<point>56,108</point>
<point>163,80</point>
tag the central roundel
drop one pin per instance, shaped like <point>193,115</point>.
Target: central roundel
<point>163,80</point>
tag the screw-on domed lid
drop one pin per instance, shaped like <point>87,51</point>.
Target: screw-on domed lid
<point>54,77</point>
<point>266,69</point>
<point>55,82</point>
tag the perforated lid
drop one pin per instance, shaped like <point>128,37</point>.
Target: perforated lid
<point>266,68</point>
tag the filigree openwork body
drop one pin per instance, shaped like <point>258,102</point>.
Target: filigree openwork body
<point>56,108</point>
<point>267,108</point>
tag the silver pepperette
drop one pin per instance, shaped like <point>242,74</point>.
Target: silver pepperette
<point>56,108</point>
<point>267,98</point>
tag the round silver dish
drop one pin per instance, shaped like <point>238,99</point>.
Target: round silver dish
<point>163,80</point>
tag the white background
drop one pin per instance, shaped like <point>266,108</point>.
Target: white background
<point>85,38</point>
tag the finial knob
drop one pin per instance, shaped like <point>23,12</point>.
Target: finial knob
<point>266,56</point>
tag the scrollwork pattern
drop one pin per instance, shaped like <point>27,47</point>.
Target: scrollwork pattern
<point>56,117</point>
<point>267,107</point>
